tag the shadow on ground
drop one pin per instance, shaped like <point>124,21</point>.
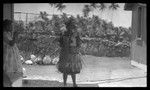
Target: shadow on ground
<point>47,83</point>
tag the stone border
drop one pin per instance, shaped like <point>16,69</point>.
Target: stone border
<point>139,65</point>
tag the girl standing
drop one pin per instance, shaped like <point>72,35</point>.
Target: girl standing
<point>70,60</point>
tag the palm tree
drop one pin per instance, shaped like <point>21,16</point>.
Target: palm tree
<point>113,6</point>
<point>53,5</point>
<point>86,10</point>
<point>64,17</point>
<point>43,15</point>
<point>59,6</point>
<point>44,22</point>
<point>100,6</point>
<point>103,6</point>
<point>94,5</point>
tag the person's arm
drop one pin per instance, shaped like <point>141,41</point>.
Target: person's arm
<point>79,42</point>
<point>60,41</point>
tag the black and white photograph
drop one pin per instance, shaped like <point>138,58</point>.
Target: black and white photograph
<point>74,45</point>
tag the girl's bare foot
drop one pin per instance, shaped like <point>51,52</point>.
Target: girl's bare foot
<point>75,85</point>
<point>65,85</point>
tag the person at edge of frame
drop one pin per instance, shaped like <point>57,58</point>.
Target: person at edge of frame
<point>12,66</point>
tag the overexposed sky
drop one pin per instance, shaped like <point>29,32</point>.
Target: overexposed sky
<point>119,17</point>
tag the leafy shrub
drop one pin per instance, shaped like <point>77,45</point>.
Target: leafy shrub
<point>105,48</point>
<point>35,38</point>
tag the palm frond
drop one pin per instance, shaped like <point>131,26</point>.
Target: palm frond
<point>102,6</point>
<point>94,5</point>
<point>52,4</point>
<point>86,10</point>
<point>114,6</point>
<point>61,7</point>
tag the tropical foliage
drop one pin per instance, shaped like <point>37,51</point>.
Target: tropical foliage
<point>100,38</point>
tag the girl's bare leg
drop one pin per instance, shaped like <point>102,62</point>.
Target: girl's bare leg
<point>74,80</point>
<point>65,78</point>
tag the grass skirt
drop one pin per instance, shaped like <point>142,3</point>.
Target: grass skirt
<point>70,63</point>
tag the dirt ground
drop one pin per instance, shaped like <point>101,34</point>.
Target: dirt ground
<point>94,69</point>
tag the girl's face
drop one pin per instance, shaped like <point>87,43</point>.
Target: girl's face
<point>74,34</point>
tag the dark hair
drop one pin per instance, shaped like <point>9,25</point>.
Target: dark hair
<point>70,25</point>
<point>6,23</point>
